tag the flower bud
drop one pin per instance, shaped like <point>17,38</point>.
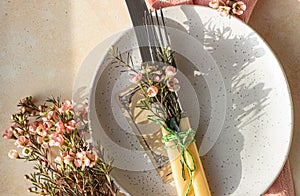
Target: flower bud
<point>44,191</point>
<point>13,154</point>
<point>169,49</point>
<point>152,91</point>
<point>32,189</point>
<point>23,109</point>
<point>8,134</point>
<point>23,101</point>
<point>33,113</point>
<point>26,177</point>
<point>41,108</point>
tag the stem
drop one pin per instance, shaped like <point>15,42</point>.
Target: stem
<point>123,63</point>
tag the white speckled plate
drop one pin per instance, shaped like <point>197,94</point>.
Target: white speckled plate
<point>240,105</point>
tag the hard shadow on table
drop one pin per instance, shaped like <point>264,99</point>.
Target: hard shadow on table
<point>232,54</point>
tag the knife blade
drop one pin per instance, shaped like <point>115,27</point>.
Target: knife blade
<point>137,9</point>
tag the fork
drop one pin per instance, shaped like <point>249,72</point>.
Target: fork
<point>157,36</point>
<point>158,40</point>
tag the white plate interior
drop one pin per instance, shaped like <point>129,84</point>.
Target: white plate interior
<point>255,137</point>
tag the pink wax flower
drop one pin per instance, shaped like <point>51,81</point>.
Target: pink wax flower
<point>40,130</point>
<point>82,160</point>
<point>56,140</point>
<point>224,10</point>
<point>8,134</point>
<point>214,4</point>
<point>158,72</point>
<point>47,124</point>
<point>136,78</point>
<point>86,159</point>
<point>158,78</point>
<point>238,8</point>
<point>173,84</point>
<point>44,140</point>
<point>152,91</point>
<point>51,115</point>
<point>92,155</point>
<point>70,126</point>
<point>32,128</point>
<point>148,69</point>
<point>13,154</point>
<point>68,159</point>
<point>60,127</point>
<point>26,152</point>
<point>170,71</point>
<point>49,139</point>
<point>66,106</point>
<point>21,142</point>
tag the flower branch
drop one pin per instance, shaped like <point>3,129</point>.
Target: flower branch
<point>159,86</point>
<point>65,164</point>
<point>228,7</point>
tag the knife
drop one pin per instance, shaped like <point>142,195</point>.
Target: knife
<point>137,9</point>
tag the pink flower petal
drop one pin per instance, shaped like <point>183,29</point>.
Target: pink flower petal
<point>171,71</point>
<point>173,84</point>
<point>136,78</point>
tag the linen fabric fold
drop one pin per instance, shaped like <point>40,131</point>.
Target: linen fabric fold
<point>156,4</point>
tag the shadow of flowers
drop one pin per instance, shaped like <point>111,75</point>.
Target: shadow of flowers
<point>245,98</point>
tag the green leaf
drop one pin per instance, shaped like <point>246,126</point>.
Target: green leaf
<point>144,103</point>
